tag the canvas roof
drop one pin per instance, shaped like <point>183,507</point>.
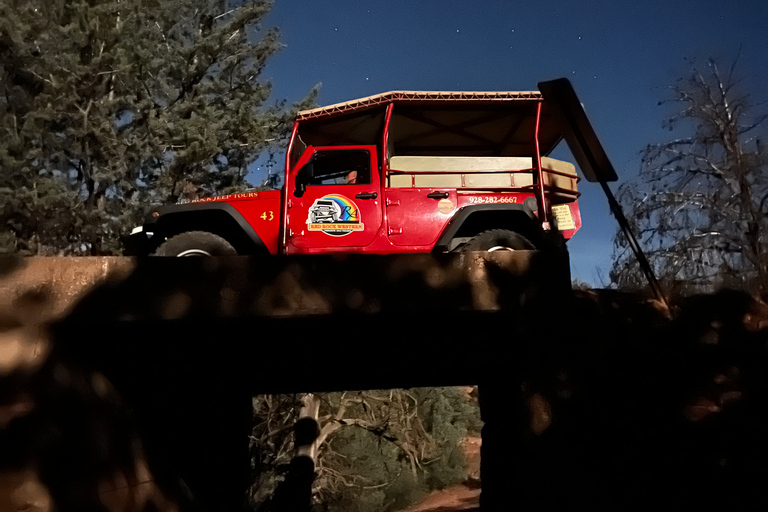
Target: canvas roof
<point>419,97</point>
<point>472,123</point>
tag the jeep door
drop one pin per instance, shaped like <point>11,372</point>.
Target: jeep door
<point>334,200</point>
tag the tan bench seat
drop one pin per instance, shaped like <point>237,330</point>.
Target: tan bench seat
<point>462,172</point>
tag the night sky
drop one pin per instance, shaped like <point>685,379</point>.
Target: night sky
<point>620,57</point>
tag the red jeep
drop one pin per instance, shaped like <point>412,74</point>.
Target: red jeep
<point>399,172</point>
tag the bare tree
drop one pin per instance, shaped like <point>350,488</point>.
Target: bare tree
<point>699,206</point>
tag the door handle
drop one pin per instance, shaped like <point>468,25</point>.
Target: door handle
<point>367,195</point>
<point>438,195</point>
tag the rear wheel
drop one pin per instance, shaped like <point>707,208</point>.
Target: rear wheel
<point>498,240</point>
<point>195,243</point>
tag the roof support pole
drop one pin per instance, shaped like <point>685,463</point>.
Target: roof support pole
<point>385,138</point>
<point>289,149</point>
<point>543,216</point>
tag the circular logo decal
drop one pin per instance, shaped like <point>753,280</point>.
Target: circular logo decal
<point>445,206</point>
<point>334,215</point>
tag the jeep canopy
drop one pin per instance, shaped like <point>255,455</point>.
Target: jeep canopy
<point>444,123</point>
<point>436,123</point>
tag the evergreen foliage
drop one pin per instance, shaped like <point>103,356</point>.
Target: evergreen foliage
<point>111,106</point>
<point>700,208</point>
<point>378,450</point>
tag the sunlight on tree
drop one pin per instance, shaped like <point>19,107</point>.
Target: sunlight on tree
<point>110,107</point>
<point>377,450</point>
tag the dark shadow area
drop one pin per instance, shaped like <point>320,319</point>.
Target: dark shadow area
<point>591,399</point>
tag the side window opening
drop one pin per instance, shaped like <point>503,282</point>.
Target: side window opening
<point>338,167</point>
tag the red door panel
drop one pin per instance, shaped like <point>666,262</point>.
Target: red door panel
<point>334,200</point>
<point>415,218</point>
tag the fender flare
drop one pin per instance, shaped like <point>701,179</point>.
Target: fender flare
<point>173,212</point>
<point>465,213</point>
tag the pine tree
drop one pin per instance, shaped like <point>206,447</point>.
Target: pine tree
<point>112,106</point>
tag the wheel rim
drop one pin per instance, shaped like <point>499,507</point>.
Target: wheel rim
<point>502,248</point>
<point>193,253</point>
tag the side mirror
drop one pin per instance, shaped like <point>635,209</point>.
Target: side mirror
<point>303,177</point>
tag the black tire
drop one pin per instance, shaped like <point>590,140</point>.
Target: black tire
<point>195,243</point>
<point>498,240</point>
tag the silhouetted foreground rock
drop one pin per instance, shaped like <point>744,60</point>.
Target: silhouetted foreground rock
<point>138,396</point>
<point>616,407</point>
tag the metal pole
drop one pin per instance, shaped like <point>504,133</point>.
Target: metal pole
<point>641,259</point>
<point>593,161</point>
<point>543,206</point>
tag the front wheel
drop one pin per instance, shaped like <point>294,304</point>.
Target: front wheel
<point>498,240</point>
<point>195,243</point>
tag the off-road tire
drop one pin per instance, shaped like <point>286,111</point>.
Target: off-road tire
<point>195,243</point>
<point>498,240</point>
